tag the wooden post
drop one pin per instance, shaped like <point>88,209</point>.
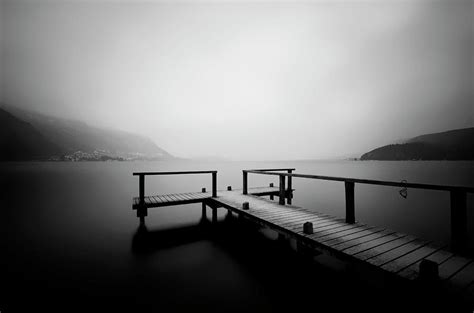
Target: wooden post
<point>458,221</point>
<point>141,189</point>
<point>244,183</point>
<point>290,192</point>
<point>229,188</point>
<point>308,228</point>
<point>350,205</point>
<point>214,184</point>
<point>271,196</point>
<point>203,190</point>
<point>142,210</point>
<point>281,195</point>
<point>428,270</point>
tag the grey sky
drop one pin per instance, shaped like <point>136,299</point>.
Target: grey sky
<point>246,80</point>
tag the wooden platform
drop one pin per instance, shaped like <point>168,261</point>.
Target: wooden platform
<point>194,197</point>
<point>384,249</point>
<point>380,251</point>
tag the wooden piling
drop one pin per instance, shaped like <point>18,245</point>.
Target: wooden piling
<point>428,270</point>
<point>142,209</point>
<point>271,196</point>
<point>290,191</point>
<point>214,184</point>
<point>281,195</point>
<point>244,182</point>
<point>308,228</point>
<point>141,189</point>
<point>350,202</point>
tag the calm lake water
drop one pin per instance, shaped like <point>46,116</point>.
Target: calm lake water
<point>68,233</point>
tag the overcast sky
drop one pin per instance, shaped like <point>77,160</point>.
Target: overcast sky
<point>246,80</point>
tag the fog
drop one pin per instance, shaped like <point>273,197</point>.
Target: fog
<point>245,80</point>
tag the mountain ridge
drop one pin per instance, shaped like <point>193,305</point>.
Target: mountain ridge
<point>77,139</point>
<point>457,144</point>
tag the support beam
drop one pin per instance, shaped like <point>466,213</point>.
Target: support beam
<point>350,202</point>
<point>244,182</point>
<point>214,184</point>
<point>142,209</point>
<point>290,191</point>
<point>281,195</point>
<point>141,189</point>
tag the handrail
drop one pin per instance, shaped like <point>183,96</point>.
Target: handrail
<point>458,198</point>
<point>265,171</point>
<point>272,169</point>
<point>371,181</point>
<point>172,173</point>
<point>142,209</point>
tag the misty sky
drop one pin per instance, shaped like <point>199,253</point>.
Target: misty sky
<point>245,80</point>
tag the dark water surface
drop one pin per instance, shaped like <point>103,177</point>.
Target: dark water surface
<point>69,239</point>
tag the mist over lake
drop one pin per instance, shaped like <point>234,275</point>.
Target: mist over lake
<point>142,146</point>
<point>69,226</point>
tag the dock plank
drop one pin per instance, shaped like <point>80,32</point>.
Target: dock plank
<point>412,271</point>
<point>331,229</point>
<point>350,232</point>
<point>410,258</point>
<point>396,252</point>
<point>370,239</point>
<point>463,278</point>
<point>186,196</point>
<point>298,219</point>
<point>317,224</point>
<point>452,266</point>
<point>352,237</point>
<point>372,248</point>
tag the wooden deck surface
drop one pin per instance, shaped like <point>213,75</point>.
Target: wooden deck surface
<point>387,250</point>
<point>384,249</point>
<point>193,197</point>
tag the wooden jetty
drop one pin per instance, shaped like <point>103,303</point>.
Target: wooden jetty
<point>401,256</point>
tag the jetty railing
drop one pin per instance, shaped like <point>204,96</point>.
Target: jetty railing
<point>458,197</point>
<point>282,191</point>
<point>141,181</point>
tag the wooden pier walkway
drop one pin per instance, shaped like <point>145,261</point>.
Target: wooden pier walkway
<point>392,253</point>
<point>193,197</point>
